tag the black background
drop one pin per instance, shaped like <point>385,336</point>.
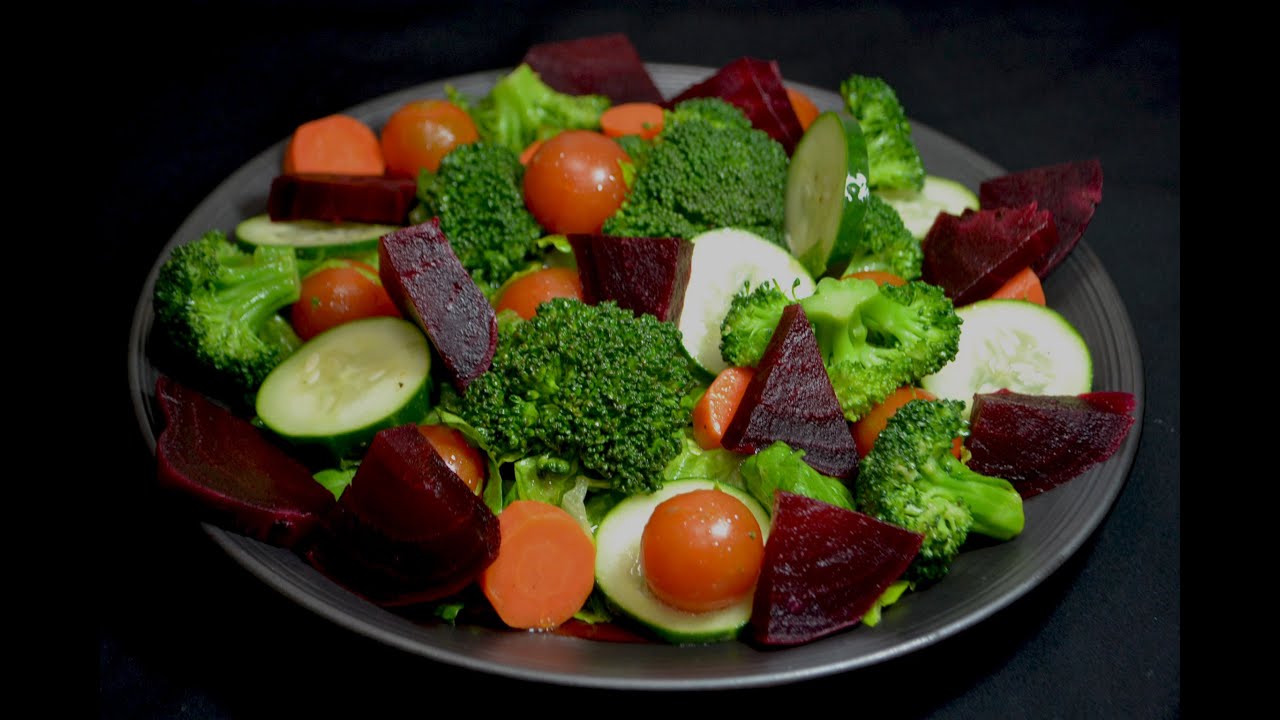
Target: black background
<point>183,94</point>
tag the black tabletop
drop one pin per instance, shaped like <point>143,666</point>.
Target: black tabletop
<point>185,632</point>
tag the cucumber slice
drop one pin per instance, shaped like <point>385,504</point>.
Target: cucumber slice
<point>827,194</point>
<point>620,577</point>
<point>725,260</point>
<point>919,208</point>
<point>347,383</point>
<point>313,239</point>
<point>1013,344</point>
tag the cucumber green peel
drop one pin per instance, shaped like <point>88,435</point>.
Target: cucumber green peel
<point>827,194</point>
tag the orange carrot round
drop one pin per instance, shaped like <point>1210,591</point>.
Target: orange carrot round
<point>337,144</point>
<point>1024,285</point>
<point>545,568</point>
<point>880,276</point>
<point>529,151</point>
<point>634,118</point>
<point>805,108</point>
<point>715,409</point>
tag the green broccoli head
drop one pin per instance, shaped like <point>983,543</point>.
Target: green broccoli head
<point>219,304</point>
<point>707,169</point>
<point>887,245</point>
<point>478,196</point>
<point>594,384</point>
<point>873,338</point>
<point>911,479</point>
<point>521,108</point>
<point>894,159</point>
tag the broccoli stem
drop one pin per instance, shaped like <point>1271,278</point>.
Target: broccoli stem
<point>994,503</point>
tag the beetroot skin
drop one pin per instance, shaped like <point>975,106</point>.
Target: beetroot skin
<point>790,399</point>
<point>598,65</point>
<point>1070,190</point>
<point>231,474</point>
<point>428,283</point>
<point>407,529</point>
<point>1038,442</point>
<point>643,275</point>
<point>341,198</point>
<point>755,87</point>
<point>824,569</point>
<point>972,254</point>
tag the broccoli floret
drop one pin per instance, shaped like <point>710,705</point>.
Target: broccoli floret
<point>219,304</point>
<point>478,196</point>
<point>911,479</point>
<point>521,108</point>
<point>707,169</point>
<point>593,384</point>
<point>873,338</point>
<point>894,159</point>
<point>887,245</point>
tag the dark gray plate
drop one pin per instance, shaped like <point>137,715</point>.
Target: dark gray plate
<point>981,582</point>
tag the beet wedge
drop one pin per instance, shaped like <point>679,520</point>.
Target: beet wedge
<point>790,399</point>
<point>407,529</point>
<point>1071,191</point>
<point>1038,442</point>
<point>230,474</point>
<point>824,569</point>
<point>643,275</point>
<point>341,198</point>
<point>428,283</point>
<point>972,254</point>
<point>598,65</point>
<point>755,86</point>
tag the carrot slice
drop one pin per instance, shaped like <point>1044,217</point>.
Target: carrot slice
<point>527,154</point>
<point>634,118</point>
<point>336,144</point>
<point>545,568</point>
<point>1024,285</point>
<point>805,108</point>
<point>880,276</point>
<point>715,409</point>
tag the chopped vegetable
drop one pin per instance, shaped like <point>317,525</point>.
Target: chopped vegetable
<point>895,160</point>
<point>520,108</point>
<point>714,410</point>
<point>338,292</point>
<point>635,118</point>
<point>1024,285</point>
<point>575,181</point>
<point>338,144</point>
<point>419,134</point>
<point>524,293</point>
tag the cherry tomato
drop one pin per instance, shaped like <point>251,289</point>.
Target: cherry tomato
<point>337,294</point>
<point>701,550</point>
<point>421,133</point>
<point>574,182</point>
<point>526,292</point>
<point>461,456</point>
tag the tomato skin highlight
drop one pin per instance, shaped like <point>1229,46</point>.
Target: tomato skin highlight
<point>525,293</point>
<point>420,133</point>
<point>702,550</point>
<point>338,294</point>
<point>461,456</point>
<point>574,181</point>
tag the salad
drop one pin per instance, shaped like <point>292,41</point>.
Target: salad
<point>525,360</point>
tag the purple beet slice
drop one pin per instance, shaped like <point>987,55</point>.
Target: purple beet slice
<point>1070,190</point>
<point>598,65</point>
<point>972,254</point>
<point>230,474</point>
<point>1038,442</point>
<point>644,275</point>
<point>755,86</point>
<point>407,529</point>
<point>790,399</point>
<point>824,568</point>
<point>428,283</point>
<point>341,198</point>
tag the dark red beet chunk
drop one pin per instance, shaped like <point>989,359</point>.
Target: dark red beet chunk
<point>599,65</point>
<point>972,254</point>
<point>407,529</point>
<point>644,275</point>
<point>1070,190</point>
<point>231,474</point>
<point>341,198</point>
<point>790,399</point>
<point>756,87</point>
<point>1038,442</point>
<point>428,283</point>
<point>824,568</point>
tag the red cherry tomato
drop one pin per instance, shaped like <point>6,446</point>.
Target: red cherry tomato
<point>525,293</point>
<point>461,456</point>
<point>702,550</point>
<point>420,133</point>
<point>338,294</point>
<point>574,181</point>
